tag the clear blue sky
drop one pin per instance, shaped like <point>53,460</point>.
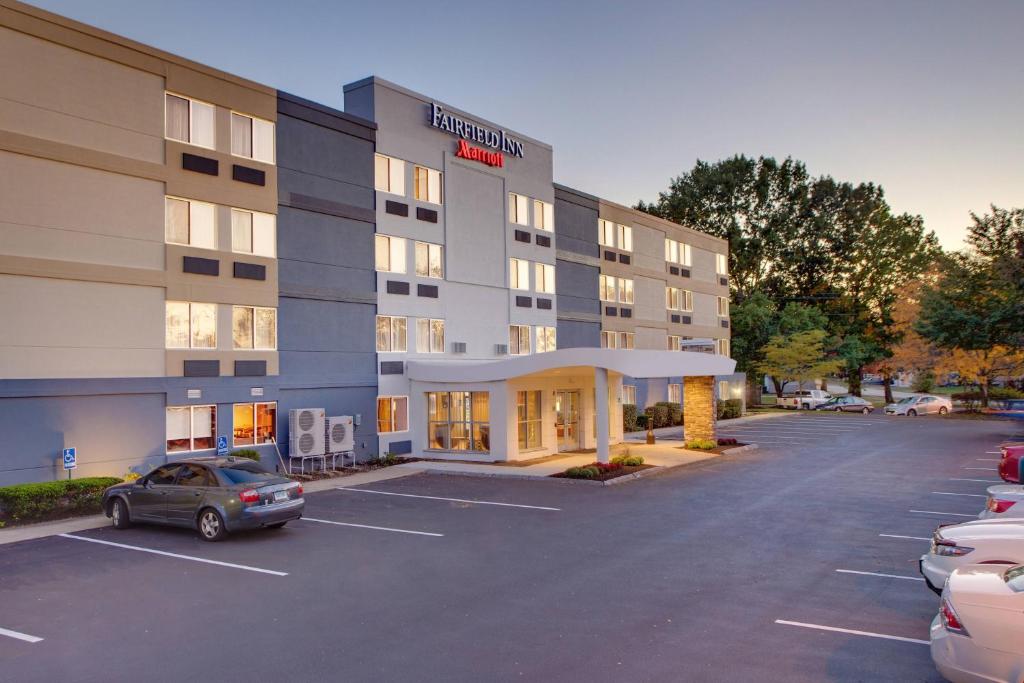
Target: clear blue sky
<point>925,98</point>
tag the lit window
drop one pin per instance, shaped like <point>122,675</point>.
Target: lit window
<point>545,339</point>
<point>675,393</point>
<point>188,120</point>
<point>675,343</point>
<point>677,252</point>
<point>429,335</point>
<point>252,138</point>
<point>606,284</point>
<point>392,414</point>
<point>722,347</point>
<point>672,297</point>
<point>518,208</point>
<point>391,334</point>
<point>545,276</point>
<point>253,232</point>
<point>518,340</point>
<point>518,274</point>
<point>253,327</point>
<point>429,261</point>
<point>191,223</point>
<point>627,340</point>
<point>459,421</point>
<point>389,253</point>
<point>529,421</point>
<point>605,233</point>
<point>543,215</point>
<point>723,389</point>
<point>629,394</point>
<point>625,238</point>
<point>191,326</point>
<point>609,340</point>
<point>427,184</point>
<point>191,428</point>
<point>254,424</point>
<point>721,264</point>
<point>625,291</point>
<point>723,306</point>
<point>389,174</point>
<point>687,301</point>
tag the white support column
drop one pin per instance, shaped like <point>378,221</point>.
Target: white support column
<point>601,399</point>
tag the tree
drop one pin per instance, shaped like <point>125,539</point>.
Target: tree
<point>798,357</point>
<point>981,366</point>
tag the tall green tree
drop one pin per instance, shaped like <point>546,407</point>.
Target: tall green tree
<point>798,357</point>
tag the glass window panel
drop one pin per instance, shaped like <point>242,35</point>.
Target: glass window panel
<point>241,135</point>
<point>204,326</point>
<point>381,179</point>
<point>383,333</point>
<point>203,124</point>
<point>264,234</point>
<point>401,411</point>
<point>422,259</point>
<point>419,180</point>
<point>438,435</point>
<point>384,418</point>
<point>266,328</point>
<point>396,173</point>
<point>382,253</point>
<point>177,318</point>
<point>266,422</point>
<point>552,335</point>
<point>422,335</point>
<point>176,118</point>
<point>436,262</point>
<point>204,427</point>
<point>549,216</point>
<point>176,220</point>
<point>397,247</point>
<point>241,231</point>
<point>538,213</point>
<point>178,429</point>
<point>243,427</point>
<point>202,225</point>
<point>263,140</point>
<point>685,254</point>
<point>434,186</point>
<point>398,334</point>
<point>437,336</point>
<point>241,327</point>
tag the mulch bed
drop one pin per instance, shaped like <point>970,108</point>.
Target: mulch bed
<point>612,474</point>
<point>349,470</point>
<point>717,449</point>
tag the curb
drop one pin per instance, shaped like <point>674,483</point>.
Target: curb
<point>741,449</point>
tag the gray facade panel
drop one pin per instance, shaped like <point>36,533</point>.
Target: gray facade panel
<point>574,335</point>
<point>575,225</point>
<point>323,162</point>
<point>354,401</point>
<point>578,281</point>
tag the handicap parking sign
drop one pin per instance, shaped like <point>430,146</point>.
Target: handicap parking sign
<point>70,459</point>
<point>222,445</point>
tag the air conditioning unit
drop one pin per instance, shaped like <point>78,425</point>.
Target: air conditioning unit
<point>340,437</point>
<point>458,347</point>
<point>306,431</point>
<point>501,349</point>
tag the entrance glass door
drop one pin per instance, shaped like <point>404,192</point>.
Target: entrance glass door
<point>567,420</point>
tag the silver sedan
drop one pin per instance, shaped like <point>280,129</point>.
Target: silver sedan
<point>922,404</point>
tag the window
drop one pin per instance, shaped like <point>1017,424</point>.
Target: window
<point>723,389</point>
<point>625,291</point>
<point>543,215</point>
<point>459,421</point>
<point>252,138</point>
<point>605,233</point>
<point>545,278</point>
<point>528,417</point>
<point>195,475</point>
<point>625,238</point>
<point>193,224</point>
<point>629,394</point>
<point>191,326</point>
<point>675,343</point>
<point>722,347</point>
<point>164,476</point>
<point>627,340</point>
<point>721,264</point>
<point>429,260</point>
<point>545,339</point>
<point>723,306</point>
<point>253,327</point>
<point>609,340</point>
<point>518,340</point>
<point>389,174</point>
<point>518,274</point>
<point>687,301</point>
<point>392,414</point>
<point>255,423</point>
<point>678,299</point>
<point>607,287</point>
<point>188,120</point>
<point>253,232</point>
<point>191,428</point>
<point>675,393</point>
<point>677,252</point>
<point>389,253</point>
<point>429,335</point>
<point>391,334</point>
<point>427,184</point>
<point>518,208</point>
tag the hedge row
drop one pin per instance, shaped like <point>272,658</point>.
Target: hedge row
<point>37,502</point>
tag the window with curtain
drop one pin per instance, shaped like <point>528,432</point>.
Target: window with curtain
<point>253,232</point>
<point>427,184</point>
<point>606,285</point>
<point>391,334</point>
<point>190,121</point>
<point>392,414</point>
<point>545,278</point>
<point>545,339</point>
<point>675,393</point>
<point>389,174</point>
<point>254,327</point>
<point>721,264</point>
<point>190,325</point>
<point>627,340</point>
<point>625,290</point>
<point>429,336</point>
<point>674,342</point>
<point>518,340</point>
<point>252,138</point>
<point>529,420</point>
<point>625,238</point>
<point>518,208</point>
<point>518,274</point>
<point>191,428</point>
<point>190,223</point>
<point>389,253</point>
<point>723,306</point>
<point>629,394</point>
<point>609,339</point>
<point>459,421</point>
<point>605,233</point>
<point>543,215</point>
<point>429,260</point>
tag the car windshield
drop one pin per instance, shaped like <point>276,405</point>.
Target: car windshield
<point>1014,578</point>
<point>908,399</point>
<point>245,474</point>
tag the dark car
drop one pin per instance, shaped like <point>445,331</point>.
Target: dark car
<point>848,404</point>
<point>212,495</point>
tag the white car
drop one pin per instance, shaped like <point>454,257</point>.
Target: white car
<point>1005,501</point>
<point>978,542</point>
<point>924,404</point>
<point>805,399</point>
<point>978,635</point>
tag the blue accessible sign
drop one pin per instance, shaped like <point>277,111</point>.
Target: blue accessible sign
<point>222,445</point>
<point>70,459</point>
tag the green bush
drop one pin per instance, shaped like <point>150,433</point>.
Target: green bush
<point>730,408</point>
<point>923,382</point>
<point>628,460</point>
<point>675,413</point>
<point>582,472</point>
<point>47,500</point>
<point>247,453</point>
<point>641,422</point>
<point>701,444</point>
<point>629,423</point>
<point>660,414</point>
<point>972,399</point>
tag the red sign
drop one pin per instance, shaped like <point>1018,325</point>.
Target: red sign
<point>482,155</point>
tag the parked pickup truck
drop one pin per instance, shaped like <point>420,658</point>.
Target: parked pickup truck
<point>805,399</point>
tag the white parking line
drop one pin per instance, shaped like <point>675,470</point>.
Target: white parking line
<point>912,538</point>
<point>19,636</point>
<point>948,514</point>
<point>983,481</point>
<point>175,555</point>
<point>869,634</point>
<point>885,576</point>
<point>375,528</point>
<point>969,495</point>
<point>982,469</point>
<point>454,500</point>
<point>987,459</point>
<point>993,452</point>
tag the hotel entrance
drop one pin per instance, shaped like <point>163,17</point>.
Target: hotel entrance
<point>567,420</point>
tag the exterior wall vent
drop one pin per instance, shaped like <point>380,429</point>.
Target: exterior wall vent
<point>501,349</point>
<point>458,347</point>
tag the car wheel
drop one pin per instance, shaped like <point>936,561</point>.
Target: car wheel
<point>211,525</point>
<point>943,410</point>
<point>807,406</point>
<point>119,514</point>
<point>911,413</point>
<point>277,525</point>
<point>839,410</point>
<point>866,411</point>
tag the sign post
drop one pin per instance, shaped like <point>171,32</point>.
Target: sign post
<point>222,445</point>
<point>70,460</point>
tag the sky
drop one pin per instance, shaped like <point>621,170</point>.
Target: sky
<point>924,98</point>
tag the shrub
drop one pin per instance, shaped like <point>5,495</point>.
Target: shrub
<point>660,412</point>
<point>641,422</point>
<point>971,399</point>
<point>701,444</point>
<point>923,382</point>
<point>629,417</point>
<point>675,413</point>
<point>627,460</point>
<point>582,472</point>
<point>247,453</point>
<point>46,500</point>
<point>730,408</point>
<point>727,442</point>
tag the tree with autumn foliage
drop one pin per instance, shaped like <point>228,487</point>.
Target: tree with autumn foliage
<point>799,357</point>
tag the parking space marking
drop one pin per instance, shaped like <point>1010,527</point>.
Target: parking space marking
<point>175,555</point>
<point>987,459</point>
<point>993,453</point>
<point>982,469</point>
<point>869,634</point>
<point>375,528</point>
<point>969,495</point>
<point>983,481</point>
<point>20,636</point>
<point>453,500</point>
<point>949,514</point>
<point>913,538</point>
<point>879,574</point>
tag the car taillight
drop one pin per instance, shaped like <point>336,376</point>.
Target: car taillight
<point>949,548</point>
<point>998,505</point>
<point>249,496</point>
<point>950,619</point>
<point>298,491</point>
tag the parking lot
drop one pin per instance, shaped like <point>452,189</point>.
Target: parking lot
<point>794,562</point>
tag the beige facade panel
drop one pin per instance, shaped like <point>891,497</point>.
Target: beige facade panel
<point>649,298</point>
<point>651,338</point>
<point>648,248</point>
<point>175,359</point>
<point>66,328</point>
<point>223,288</point>
<point>59,211</point>
<point>220,189</point>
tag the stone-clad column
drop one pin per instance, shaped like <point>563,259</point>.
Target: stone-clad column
<point>699,409</point>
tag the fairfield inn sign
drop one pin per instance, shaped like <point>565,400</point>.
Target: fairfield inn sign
<point>467,130</point>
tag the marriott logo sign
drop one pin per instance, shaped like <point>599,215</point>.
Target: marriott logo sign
<point>467,130</point>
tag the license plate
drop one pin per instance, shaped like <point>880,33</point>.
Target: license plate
<point>280,495</point>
